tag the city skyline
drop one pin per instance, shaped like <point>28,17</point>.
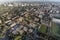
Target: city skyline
<point>28,0</point>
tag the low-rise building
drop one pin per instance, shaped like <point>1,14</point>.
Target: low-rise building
<point>0,21</point>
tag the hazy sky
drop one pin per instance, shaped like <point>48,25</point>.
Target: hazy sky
<point>28,0</point>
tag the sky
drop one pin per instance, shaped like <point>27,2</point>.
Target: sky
<point>28,0</point>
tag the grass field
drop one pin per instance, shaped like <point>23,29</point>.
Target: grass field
<point>18,38</point>
<point>43,28</point>
<point>54,30</point>
<point>3,9</point>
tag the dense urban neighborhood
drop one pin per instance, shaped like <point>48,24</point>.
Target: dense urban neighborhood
<point>29,21</point>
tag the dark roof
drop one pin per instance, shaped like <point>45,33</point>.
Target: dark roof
<point>16,26</point>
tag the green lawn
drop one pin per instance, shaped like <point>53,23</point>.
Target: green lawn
<point>1,35</point>
<point>18,38</point>
<point>3,9</point>
<point>54,30</point>
<point>43,28</point>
